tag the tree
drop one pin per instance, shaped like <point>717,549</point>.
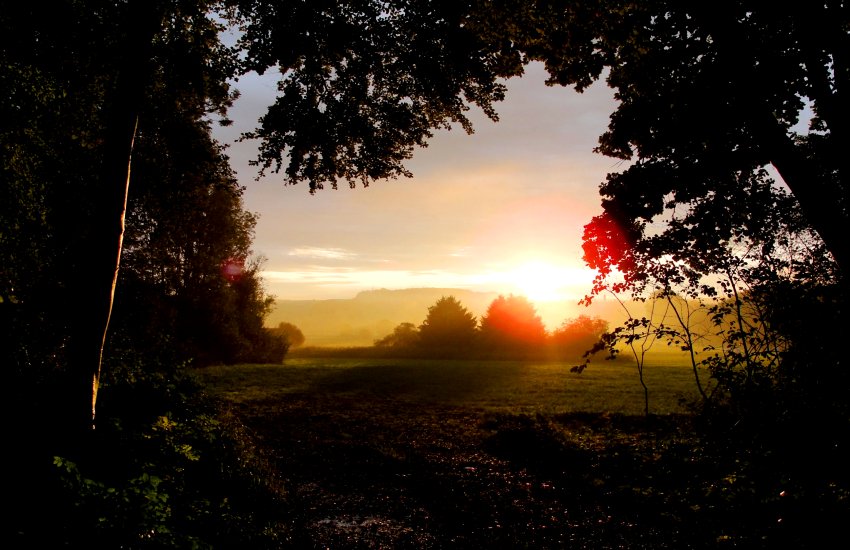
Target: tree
<point>512,324</point>
<point>366,81</point>
<point>708,95</point>
<point>714,101</point>
<point>449,328</point>
<point>404,336</point>
<point>576,336</point>
<point>292,334</point>
<point>81,78</point>
<point>186,224</point>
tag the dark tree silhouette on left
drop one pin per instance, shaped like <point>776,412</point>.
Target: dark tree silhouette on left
<point>365,83</point>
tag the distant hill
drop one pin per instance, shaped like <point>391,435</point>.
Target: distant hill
<point>370,315</point>
<point>373,314</point>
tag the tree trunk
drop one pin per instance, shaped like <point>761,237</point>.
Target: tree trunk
<point>97,265</point>
<point>822,198</point>
<point>822,201</point>
<point>97,257</point>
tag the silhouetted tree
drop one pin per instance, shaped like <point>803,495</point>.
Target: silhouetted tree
<point>576,336</point>
<point>404,336</point>
<point>512,324</point>
<point>291,333</point>
<point>449,328</point>
<point>364,82</point>
<point>713,102</point>
<point>80,77</point>
<point>186,245</point>
<point>708,96</point>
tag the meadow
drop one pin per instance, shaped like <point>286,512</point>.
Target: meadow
<point>398,453</point>
<point>483,386</point>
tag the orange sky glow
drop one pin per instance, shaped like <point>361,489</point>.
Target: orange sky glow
<point>501,210</point>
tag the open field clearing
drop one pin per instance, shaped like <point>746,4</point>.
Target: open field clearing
<point>481,386</point>
<point>436,454</point>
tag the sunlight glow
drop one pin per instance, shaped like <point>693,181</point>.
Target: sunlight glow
<point>537,280</point>
<point>541,281</point>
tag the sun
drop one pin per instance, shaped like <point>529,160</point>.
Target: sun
<point>541,281</point>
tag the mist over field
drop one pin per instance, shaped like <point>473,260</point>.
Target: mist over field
<point>373,314</point>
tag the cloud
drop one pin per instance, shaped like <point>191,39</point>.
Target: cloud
<point>322,253</point>
<point>364,279</point>
<point>462,252</point>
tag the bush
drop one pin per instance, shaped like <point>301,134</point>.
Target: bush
<point>166,468</point>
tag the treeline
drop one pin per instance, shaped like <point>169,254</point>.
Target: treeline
<point>158,471</point>
<point>188,282</point>
<point>510,329</point>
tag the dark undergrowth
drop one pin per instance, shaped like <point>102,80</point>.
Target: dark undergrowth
<point>170,467</point>
<point>378,475</point>
<point>165,468</point>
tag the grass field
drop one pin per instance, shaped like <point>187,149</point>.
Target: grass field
<point>381,453</point>
<point>483,386</point>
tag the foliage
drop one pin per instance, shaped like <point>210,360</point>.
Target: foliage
<point>708,96</point>
<point>451,331</point>
<point>576,336</point>
<point>404,336</point>
<point>186,224</point>
<point>71,77</point>
<point>364,82</point>
<point>166,468</point>
<point>449,328</point>
<point>738,309</point>
<point>512,325</point>
<point>293,335</point>
<point>713,104</point>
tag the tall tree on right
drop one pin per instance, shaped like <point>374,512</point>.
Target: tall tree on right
<point>732,125</point>
<point>709,95</point>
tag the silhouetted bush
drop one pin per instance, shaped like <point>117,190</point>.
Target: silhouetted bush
<point>166,468</point>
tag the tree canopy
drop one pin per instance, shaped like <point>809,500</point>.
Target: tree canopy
<point>90,89</point>
<point>576,336</point>
<point>364,82</point>
<point>709,97</point>
<point>293,335</point>
<point>405,336</point>
<point>512,322</point>
<point>448,326</point>
<point>112,185</point>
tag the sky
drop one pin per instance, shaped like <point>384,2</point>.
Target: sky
<point>501,210</point>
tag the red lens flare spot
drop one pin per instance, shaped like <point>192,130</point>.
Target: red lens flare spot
<point>232,268</point>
